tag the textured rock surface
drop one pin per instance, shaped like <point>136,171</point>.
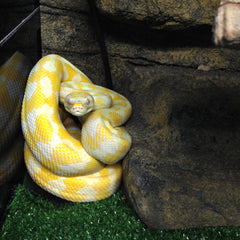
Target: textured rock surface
<point>183,168</point>
<point>67,30</point>
<point>159,14</point>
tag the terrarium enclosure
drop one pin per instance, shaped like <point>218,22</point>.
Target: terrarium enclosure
<point>183,169</point>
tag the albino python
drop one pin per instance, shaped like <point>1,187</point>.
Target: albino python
<point>13,76</point>
<point>73,164</point>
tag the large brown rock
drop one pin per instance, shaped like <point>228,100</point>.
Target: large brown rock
<point>183,169</point>
<point>67,30</point>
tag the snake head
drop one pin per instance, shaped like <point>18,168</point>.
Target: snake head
<point>79,103</point>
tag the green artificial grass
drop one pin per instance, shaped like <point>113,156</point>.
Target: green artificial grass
<point>32,217</point>
<point>7,188</point>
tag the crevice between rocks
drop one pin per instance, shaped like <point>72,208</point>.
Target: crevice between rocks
<point>199,36</point>
<point>57,11</point>
<point>59,51</point>
<point>145,62</point>
<point>101,40</point>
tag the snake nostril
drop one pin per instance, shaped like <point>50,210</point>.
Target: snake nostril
<point>77,108</point>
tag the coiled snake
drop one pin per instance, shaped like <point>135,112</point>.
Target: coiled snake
<point>76,166</point>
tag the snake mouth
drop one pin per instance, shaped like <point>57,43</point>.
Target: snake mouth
<point>78,113</point>
<point>79,110</point>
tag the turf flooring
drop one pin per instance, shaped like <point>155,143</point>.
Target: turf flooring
<point>33,217</point>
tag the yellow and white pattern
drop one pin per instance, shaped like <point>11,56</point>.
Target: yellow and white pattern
<point>72,163</point>
<point>13,76</point>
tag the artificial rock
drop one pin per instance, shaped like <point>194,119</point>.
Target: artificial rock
<point>183,169</point>
<point>67,29</point>
<point>159,14</point>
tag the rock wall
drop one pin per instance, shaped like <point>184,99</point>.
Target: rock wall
<point>183,168</point>
<point>160,14</point>
<point>67,29</point>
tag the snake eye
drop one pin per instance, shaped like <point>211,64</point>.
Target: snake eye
<point>68,101</point>
<point>88,102</point>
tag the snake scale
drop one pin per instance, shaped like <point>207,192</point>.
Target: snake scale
<point>13,76</point>
<point>79,164</point>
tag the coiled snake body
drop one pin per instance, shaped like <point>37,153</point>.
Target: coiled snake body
<point>69,164</point>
